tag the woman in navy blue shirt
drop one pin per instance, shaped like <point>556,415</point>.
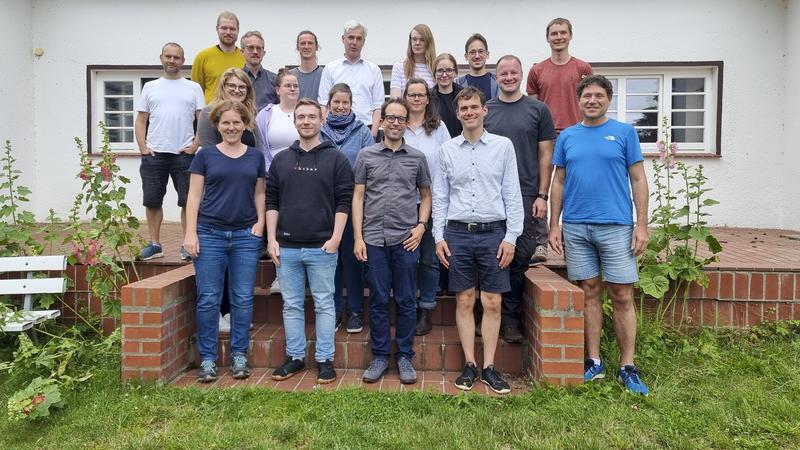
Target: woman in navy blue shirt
<point>225,218</point>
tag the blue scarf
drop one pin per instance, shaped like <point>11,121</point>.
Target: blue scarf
<point>341,127</point>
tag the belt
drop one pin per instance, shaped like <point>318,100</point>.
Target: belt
<point>476,227</point>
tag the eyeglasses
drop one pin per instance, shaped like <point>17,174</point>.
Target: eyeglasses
<point>254,48</point>
<point>291,86</point>
<point>235,87</point>
<point>416,96</point>
<point>476,52</point>
<point>399,119</point>
<point>448,72</point>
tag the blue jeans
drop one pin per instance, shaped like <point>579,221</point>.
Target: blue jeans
<point>320,267</point>
<point>392,267</point>
<point>220,251</point>
<point>428,270</point>
<point>592,248</point>
<point>349,275</point>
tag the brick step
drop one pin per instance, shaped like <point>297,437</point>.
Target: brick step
<point>428,381</point>
<point>268,308</point>
<point>438,351</point>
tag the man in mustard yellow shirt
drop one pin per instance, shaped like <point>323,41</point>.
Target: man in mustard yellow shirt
<point>209,63</point>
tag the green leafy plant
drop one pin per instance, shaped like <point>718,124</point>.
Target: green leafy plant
<point>35,400</point>
<point>18,227</point>
<point>102,228</point>
<point>678,224</point>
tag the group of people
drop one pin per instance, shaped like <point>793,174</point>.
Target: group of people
<point>450,175</point>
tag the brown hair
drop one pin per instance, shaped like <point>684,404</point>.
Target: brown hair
<point>473,38</point>
<point>442,57</point>
<point>228,15</point>
<point>394,100</point>
<point>217,109</point>
<point>560,21</point>
<point>305,101</point>
<point>467,93</point>
<point>283,73</point>
<point>340,87</point>
<point>430,50</point>
<point>316,41</point>
<point>431,120</point>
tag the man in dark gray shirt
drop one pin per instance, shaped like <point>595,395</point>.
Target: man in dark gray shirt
<point>308,72</point>
<point>254,49</point>
<point>527,122</point>
<point>388,178</point>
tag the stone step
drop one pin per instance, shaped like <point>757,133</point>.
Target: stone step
<point>438,351</point>
<point>268,308</point>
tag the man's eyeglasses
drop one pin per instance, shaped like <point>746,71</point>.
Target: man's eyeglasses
<point>253,48</point>
<point>399,119</point>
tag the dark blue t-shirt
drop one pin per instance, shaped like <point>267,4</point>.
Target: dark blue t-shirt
<point>483,82</point>
<point>229,186</point>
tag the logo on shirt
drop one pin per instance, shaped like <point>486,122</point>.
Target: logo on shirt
<point>610,138</point>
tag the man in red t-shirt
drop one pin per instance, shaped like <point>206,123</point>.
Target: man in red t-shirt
<point>554,80</point>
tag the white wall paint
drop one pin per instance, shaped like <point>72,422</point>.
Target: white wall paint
<point>790,153</point>
<point>16,89</point>
<point>751,37</point>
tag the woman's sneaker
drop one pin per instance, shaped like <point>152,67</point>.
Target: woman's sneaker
<point>208,371</point>
<point>288,369</point>
<point>492,378</point>
<point>239,369</point>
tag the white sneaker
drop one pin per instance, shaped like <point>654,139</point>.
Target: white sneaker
<point>275,288</point>
<point>225,323</point>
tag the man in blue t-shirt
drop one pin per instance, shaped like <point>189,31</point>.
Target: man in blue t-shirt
<point>598,166</point>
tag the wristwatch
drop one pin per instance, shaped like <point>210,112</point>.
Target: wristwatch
<point>424,224</point>
<point>544,197</point>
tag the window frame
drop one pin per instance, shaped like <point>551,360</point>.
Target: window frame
<point>95,76</point>
<point>666,71</point>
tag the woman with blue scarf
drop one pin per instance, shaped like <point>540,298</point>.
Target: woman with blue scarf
<point>350,135</point>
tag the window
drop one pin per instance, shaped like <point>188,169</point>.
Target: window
<point>113,93</point>
<point>688,94</point>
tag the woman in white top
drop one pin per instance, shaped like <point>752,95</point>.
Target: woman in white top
<point>425,132</point>
<point>418,62</point>
<point>276,121</point>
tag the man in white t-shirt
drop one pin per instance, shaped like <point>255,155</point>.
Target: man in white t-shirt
<point>165,134</point>
<point>364,78</point>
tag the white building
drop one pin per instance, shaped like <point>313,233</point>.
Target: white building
<point>739,54</point>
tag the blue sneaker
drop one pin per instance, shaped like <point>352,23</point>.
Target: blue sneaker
<point>629,376</point>
<point>185,256</point>
<point>150,251</point>
<point>592,371</point>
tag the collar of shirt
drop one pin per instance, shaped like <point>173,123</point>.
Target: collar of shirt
<point>460,139</point>
<point>347,61</point>
<point>403,147</point>
<point>258,73</point>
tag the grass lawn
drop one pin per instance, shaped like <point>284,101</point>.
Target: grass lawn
<point>708,391</point>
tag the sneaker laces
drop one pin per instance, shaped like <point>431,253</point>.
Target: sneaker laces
<point>208,365</point>
<point>405,364</point>
<point>632,374</point>
<point>239,360</point>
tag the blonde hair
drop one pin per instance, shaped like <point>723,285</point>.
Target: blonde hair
<point>430,50</point>
<point>220,107</point>
<point>249,98</point>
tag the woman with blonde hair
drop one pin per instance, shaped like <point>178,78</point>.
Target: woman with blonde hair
<point>418,63</point>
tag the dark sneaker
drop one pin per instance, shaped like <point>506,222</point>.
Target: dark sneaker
<point>375,371</point>
<point>592,371</point>
<point>208,372</point>
<point>512,335</point>
<point>288,369</point>
<point>407,373</point>
<point>325,372</point>
<point>466,380</point>
<point>492,378</point>
<point>539,255</point>
<point>239,369</point>
<point>150,251</point>
<point>423,322</point>
<point>629,376</point>
<point>185,255</point>
<point>355,324</point>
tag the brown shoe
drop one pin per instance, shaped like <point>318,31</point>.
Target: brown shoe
<point>512,335</point>
<point>423,322</point>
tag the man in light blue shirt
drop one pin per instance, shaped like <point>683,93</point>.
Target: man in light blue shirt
<point>477,217</point>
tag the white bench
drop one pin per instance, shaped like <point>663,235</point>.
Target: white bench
<point>29,287</point>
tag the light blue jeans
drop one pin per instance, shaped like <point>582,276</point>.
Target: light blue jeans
<point>237,252</point>
<point>320,268</point>
<point>592,248</point>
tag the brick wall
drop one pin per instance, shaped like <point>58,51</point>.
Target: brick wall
<point>554,323</point>
<point>158,325</point>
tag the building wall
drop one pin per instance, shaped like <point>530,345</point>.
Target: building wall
<point>791,149</point>
<point>16,89</point>
<point>749,36</point>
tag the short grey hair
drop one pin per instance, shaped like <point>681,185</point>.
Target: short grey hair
<point>251,34</point>
<point>352,25</point>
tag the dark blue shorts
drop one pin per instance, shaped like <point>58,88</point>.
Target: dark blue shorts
<point>473,256</point>
<point>156,171</point>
